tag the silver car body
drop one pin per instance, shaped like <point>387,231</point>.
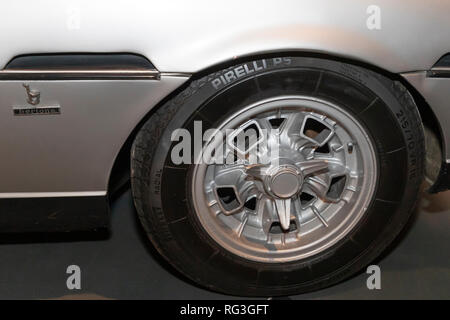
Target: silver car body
<point>72,154</point>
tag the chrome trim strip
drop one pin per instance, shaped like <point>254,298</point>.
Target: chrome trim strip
<point>79,74</point>
<point>176,74</point>
<point>8,195</point>
<point>439,72</point>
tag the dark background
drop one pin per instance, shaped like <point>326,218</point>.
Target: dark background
<point>123,265</point>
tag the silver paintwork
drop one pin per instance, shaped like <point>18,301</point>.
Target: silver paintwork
<point>436,91</point>
<point>185,36</point>
<point>294,168</point>
<point>73,151</point>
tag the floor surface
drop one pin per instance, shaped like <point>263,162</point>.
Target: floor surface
<point>123,265</point>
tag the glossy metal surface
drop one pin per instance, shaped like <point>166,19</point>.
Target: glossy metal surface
<point>88,74</point>
<point>184,36</point>
<point>73,151</point>
<point>436,91</point>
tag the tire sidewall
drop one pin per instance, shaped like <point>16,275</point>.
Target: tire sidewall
<point>203,260</point>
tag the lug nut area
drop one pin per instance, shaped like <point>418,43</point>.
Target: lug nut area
<point>284,182</point>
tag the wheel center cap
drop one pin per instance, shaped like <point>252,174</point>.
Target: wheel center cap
<point>285,182</point>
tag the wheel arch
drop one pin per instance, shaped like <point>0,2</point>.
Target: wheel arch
<point>119,174</point>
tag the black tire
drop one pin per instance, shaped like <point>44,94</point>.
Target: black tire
<point>161,189</point>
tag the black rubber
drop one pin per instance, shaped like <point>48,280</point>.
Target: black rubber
<point>161,189</point>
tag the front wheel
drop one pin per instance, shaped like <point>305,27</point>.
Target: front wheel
<point>278,176</point>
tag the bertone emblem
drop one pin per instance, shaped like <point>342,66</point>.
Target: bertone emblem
<point>34,99</point>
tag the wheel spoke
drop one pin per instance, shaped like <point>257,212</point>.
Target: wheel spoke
<point>247,190</point>
<point>257,171</point>
<point>318,186</point>
<point>284,212</point>
<point>292,124</point>
<point>312,166</point>
<point>228,174</point>
<point>264,124</point>
<point>336,168</point>
<point>265,214</point>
